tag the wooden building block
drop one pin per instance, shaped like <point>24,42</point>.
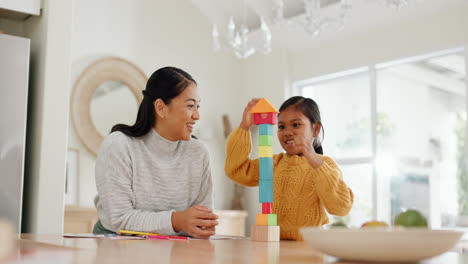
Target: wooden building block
<point>265,152</point>
<point>265,129</point>
<point>265,191</point>
<point>265,233</point>
<point>265,118</point>
<point>264,106</point>
<point>267,208</point>
<point>261,219</point>
<point>265,140</point>
<point>272,219</point>
<point>266,219</point>
<point>266,168</point>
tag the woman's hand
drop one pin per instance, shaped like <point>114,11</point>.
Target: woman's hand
<point>197,221</point>
<point>247,119</point>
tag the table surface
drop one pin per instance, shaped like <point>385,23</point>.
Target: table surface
<point>32,248</point>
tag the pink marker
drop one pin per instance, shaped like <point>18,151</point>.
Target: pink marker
<point>157,237</point>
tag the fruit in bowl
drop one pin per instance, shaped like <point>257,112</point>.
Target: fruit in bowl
<point>338,224</point>
<point>411,218</point>
<point>374,224</point>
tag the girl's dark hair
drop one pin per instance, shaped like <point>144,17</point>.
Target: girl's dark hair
<point>165,84</point>
<point>311,110</point>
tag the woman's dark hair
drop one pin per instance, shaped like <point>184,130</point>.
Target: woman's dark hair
<point>311,110</point>
<point>165,84</point>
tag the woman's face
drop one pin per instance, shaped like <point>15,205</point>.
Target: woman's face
<point>295,131</point>
<point>182,114</point>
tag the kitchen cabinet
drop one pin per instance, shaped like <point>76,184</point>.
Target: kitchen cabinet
<point>19,9</point>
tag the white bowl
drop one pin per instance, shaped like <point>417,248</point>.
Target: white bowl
<point>381,244</point>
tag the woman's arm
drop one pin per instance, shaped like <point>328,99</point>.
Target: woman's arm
<point>205,195</point>
<point>116,203</point>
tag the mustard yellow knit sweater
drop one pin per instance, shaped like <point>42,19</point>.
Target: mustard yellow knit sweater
<point>301,193</point>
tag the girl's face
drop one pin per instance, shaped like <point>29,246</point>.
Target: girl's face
<point>182,113</point>
<point>295,131</point>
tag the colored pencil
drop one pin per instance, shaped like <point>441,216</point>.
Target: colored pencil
<point>150,234</point>
<point>157,237</point>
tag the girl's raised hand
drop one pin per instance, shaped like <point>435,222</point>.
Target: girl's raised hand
<point>247,119</point>
<point>306,147</point>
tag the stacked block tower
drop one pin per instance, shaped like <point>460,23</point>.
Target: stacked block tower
<point>266,227</point>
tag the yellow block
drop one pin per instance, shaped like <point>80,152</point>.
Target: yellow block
<point>265,151</point>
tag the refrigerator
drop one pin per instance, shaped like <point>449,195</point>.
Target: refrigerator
<point>14,73</point>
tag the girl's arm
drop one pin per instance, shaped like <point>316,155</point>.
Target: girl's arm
<point>335,195</point>
<point>238,166</point>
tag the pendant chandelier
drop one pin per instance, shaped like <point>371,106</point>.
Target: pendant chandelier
<point>245,28</point>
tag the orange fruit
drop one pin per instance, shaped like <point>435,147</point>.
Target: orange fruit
<point>374,224</point>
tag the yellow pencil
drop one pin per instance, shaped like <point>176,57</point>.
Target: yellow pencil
<point>148,234</point>
<point>138,233</point>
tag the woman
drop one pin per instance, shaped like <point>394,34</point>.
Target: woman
<point>154,176</point>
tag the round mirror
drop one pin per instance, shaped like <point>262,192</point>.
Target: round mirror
<point>112,103</point>
<point>108,92</point>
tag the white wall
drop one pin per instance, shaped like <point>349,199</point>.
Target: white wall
<point>442,30</point>
<point>153,34</point>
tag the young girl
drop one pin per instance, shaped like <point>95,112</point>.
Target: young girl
<point>306,183</point>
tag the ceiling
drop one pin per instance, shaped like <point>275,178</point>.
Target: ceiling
<point>365,16</point>
<point>446,73</point>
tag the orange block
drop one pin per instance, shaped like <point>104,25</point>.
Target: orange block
<point>266,220</point>
<point>261,220</point>
<point>264,106</point>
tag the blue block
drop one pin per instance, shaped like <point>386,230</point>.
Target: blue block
<point>265,191</point>
<point>265,129</point>
<point>266,168</point>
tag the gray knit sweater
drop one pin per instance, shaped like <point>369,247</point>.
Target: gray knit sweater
<point>141,181</point>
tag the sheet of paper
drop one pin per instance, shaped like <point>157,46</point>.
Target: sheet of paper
<point>126,238</point>
<point>87,235</point>
<point>219,238</point>
<point>109,236</point>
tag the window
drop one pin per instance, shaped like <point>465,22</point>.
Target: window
<point>398,131</point>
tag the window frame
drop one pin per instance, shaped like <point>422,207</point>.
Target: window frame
<point>298,86</point>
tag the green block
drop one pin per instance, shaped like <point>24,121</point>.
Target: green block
<point>272,220</point>
<point>265,140</point>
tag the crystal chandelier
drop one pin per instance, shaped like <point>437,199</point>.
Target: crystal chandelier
<point>237,39</point>
<point>236,35</point>
<point>396,4</point>
<point>314,17</point>
<point>319,15</point>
